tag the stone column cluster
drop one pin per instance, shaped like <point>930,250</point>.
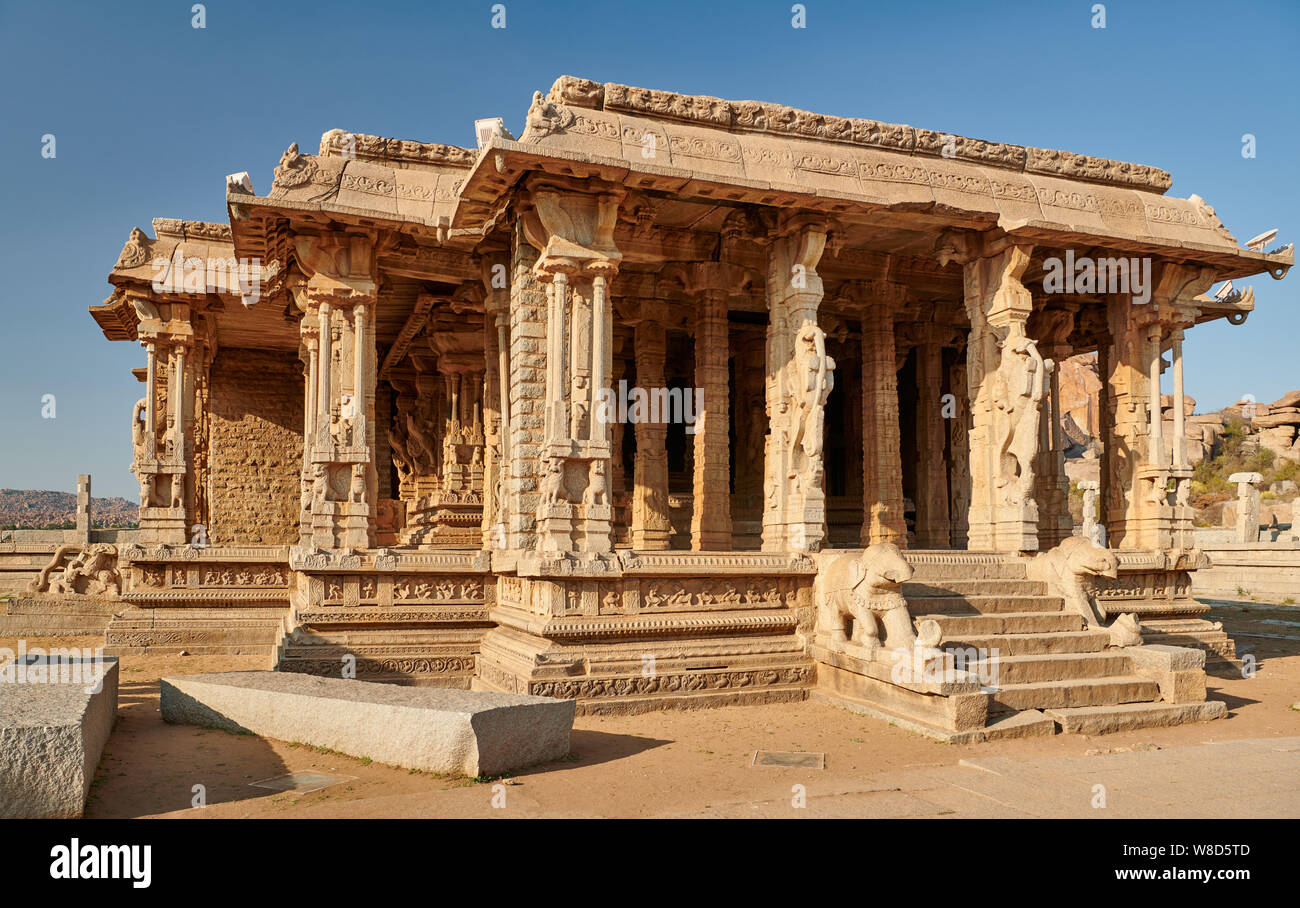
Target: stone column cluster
<point>572,227</point>
<point>162,441</point>
<point>496,400</point>
<point>1146,486</point>
<point>338,303</point>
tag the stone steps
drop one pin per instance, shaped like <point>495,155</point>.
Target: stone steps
<point>915,589</point>
<point>1075,692</point>
<point>985,605</point>
<point>966,626</point>
<point>963,566</point>
<point>1028,669</point>
<point>1043,668</point>
<point>1100,720</point>
<point>1033,644</point>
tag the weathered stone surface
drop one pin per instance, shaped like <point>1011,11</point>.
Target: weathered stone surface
<point>1100,720</point>
<point>52,735</point>
<point>475,733</point>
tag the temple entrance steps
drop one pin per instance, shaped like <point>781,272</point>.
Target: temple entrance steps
<point>25,617</point>
<point>1045,671</point>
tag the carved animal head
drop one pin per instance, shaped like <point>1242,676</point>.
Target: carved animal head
<point>1082,556</point>
<point>883,568</point>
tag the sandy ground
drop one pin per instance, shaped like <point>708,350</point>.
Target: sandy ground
<point>675,763</point>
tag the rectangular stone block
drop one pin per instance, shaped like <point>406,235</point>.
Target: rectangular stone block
<point>1183,686</point>
<point>432,729</point>
<point>1159,657</point>
<point>54,720</point>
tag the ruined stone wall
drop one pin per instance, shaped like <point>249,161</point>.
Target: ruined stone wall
<point>255,462</point>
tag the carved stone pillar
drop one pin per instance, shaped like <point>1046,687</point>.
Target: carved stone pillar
<point>882,471</point>
<point>1146,498</point>
<point>800,375</point>
<point>164,443</point>
<point>932,523</point>
<point>1183,522</point>
<point>308,353</point>
<point>529,381</point>
<point>1051,485</point>
<point>339,297</point>
<point>959,482</point>
<point>572,226</point>
<point>1054,522</point>
<point>711,284</point>
<point>1006,380</point>
<point>496,401</point>
<point>651,526</point>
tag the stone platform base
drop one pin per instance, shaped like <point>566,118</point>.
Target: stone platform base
<point>52,733</point>
<point>655,666</point>
<point>50,617</point>
<point>433,730</point>
<point>199,631</point>
<point>953,710</point>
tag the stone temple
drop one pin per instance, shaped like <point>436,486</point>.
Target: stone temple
<point>672,402</point>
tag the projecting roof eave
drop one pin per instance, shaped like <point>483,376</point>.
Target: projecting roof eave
<point>116,318</point>
<point>148,269</point>
<point>247,210</point>
<point>1228,263</point>
<point>1137,220</point>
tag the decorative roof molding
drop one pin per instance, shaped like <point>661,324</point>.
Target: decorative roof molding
<point>199,231</point>
<point>339,143</point>
<point>778,119</point>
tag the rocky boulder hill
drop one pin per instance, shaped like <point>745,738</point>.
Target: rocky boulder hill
<point>40,509</point>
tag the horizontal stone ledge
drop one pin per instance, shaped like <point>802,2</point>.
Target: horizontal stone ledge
<point>775,619</point>
<point>204,595</point>
<point>168,554</point>
<point>430,729</point>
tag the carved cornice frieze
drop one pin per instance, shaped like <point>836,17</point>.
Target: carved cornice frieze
<point>361,147</point>
<point>385,560</point>
<point>778,119</point>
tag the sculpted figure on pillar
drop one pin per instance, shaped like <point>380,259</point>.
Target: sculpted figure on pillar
<point>1006,381</point>
<point>799,377</point>
<point>811,378</point>
<point>1018,395</point>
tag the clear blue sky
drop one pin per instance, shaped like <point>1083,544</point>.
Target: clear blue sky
<point>150,114</point>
